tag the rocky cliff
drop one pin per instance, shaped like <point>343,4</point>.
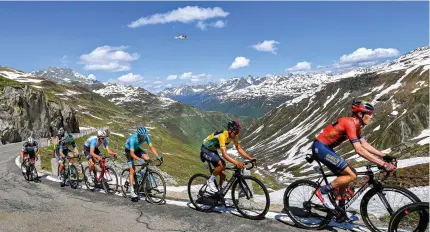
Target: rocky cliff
<point>25,110</point>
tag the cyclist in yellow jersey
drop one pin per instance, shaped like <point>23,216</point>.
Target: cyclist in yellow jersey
<point>219,140</point>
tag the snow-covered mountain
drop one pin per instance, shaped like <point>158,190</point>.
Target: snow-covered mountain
<point>399,90</point>
<point>63,75</point>
<point>255,96</point>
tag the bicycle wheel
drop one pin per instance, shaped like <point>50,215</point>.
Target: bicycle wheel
<point>25,171</point>
<point>63,174</point>
<point>303,206</point>
<point>73,176</point>
<point>199,197</point>
<point>33,173</point>
<point>407,218</point>
<point>110,181</point>
<point>89,179</point>
<point>125,182</point>
<point>373,206</point>
<point>250,197</point>
<point>155,187</point>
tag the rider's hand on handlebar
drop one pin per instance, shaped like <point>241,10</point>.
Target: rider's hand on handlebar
<point>141,161</point>
<point>388,158</point>
<point>389,167</point>
<point>159,158</point>
<point>253,159</point>
<point>115,155</point>
<point>240,165</point>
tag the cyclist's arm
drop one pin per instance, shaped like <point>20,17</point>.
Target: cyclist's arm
<point>134,156</point>
<point>227,157</point>
<point>153,150</point>
<point>242,152</point>
<point>360,150</point>
<point>60,151</point>
<point>94,154</point>
<point>370,148</point>
<point>109,151</point>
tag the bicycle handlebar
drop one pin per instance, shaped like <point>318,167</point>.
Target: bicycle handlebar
<point>394,162</point>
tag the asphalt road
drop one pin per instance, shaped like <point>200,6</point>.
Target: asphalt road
<point>45,206</point>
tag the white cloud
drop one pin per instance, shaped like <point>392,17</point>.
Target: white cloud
<point>184,15</point>
<point>239,62</point>
<point>219,24</point>
<point>301,66</point>
<point>157,82</point>
<point>107,58</point>
<point>169,86</point>
<point>92,77</point>
<point>222,80</point>
<point>365,55</point>
<point>130,77</point>
<point>266,46</point>
<point>186,75</point>
<point>203,26</point>
<point>172,77</point>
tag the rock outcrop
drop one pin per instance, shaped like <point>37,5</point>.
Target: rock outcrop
<point>25,110</point>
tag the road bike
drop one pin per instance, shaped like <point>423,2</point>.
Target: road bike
<point>105,176</point>
<point>309,213</point>
<point>29,170</point>
<point>249,195</point>
<point>147,181</point>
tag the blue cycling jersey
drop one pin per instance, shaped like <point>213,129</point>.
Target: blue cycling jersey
<point>133,142</point>
<point>92,142</point>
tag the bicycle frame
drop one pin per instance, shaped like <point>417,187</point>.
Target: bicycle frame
<point>370,181</point>
<point>237,176</point>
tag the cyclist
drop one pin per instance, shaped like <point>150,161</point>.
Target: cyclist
<point>219,140</point>
<point>62,150</point>
<point>92,152</point>
<point>133,152</point>
<point>30,147</point>
<point>335,134</point>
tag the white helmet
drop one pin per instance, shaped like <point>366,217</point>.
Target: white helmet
<point>30,140</point>
<point>107,132</point>
<point>101,133</point>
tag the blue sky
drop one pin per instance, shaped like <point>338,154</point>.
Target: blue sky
<point>97,38</point>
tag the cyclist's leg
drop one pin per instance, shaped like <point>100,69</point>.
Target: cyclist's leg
<point>214,158</point>
<point>221,166</point>
<point>32,156</point>
<point>60,161</point>
<point>130,164</point>
<point>335,164</point>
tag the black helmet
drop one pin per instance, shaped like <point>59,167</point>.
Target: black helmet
<point>234,126</point>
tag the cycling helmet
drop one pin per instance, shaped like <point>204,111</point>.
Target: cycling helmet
<point>234,126</point>
<point>101,134</point>
<point>30,140</point>
<point>362,106</point>
<point>142,131</point>
<point>107,131</point>
<point>61,131</point>
<point>70,139</point>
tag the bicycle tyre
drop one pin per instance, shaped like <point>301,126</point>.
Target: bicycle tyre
<point>287,208</point>
<point>24,167</point>
<point>90,186</point>
<point>194,201</point>
<point>266,194</point>
<point>33,173</point>
<point>114,176</point>
<point>372,192</point>
<point>148,194</point>
<point>73,176</point>
<point>125,182</point>
<point>397,217</point>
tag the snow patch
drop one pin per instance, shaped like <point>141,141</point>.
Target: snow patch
<point>377,128</point>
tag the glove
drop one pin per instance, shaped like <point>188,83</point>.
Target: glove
<point>141,161</point>
<point>159,158</point>
<point>389,167</point>
<point>388,158</point>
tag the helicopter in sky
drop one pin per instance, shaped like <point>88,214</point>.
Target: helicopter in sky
<point>181,37</point>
